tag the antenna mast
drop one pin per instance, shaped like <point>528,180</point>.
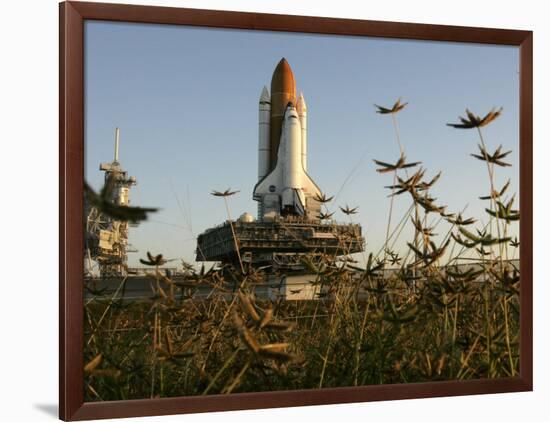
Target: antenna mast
<point>117,142</point>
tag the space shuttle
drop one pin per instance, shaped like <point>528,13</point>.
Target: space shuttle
<point>284,187</point>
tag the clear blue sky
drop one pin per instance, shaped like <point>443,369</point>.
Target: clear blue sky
<point>186,101</point>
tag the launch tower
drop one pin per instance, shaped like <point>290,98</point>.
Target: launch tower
<point>106,238</point>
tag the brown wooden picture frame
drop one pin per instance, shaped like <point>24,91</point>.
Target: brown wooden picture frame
<point>71,160</point>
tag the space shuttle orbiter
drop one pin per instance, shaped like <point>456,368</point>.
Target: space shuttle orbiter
<point>284,187</point>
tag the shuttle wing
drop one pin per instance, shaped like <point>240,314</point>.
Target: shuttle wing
<point>310,187</point>
<point>270,183</point>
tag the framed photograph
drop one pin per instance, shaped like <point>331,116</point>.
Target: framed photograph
<point>269,210</point>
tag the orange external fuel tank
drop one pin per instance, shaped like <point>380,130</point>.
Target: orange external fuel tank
<point>283,91</point>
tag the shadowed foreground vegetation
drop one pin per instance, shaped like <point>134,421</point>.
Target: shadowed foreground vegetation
<point>427,319</point>
<point>450,328</point>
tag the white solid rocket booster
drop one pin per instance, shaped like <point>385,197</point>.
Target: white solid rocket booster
<point>301,108</point>
<point>263,133</point>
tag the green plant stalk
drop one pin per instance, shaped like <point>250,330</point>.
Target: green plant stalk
<point>217,332</point>
<point>238,378</point>
<point>507,333</point>
<point>325,358</point>
<point>455,320</point>
<point>493,202</point>
<point>396,128</point>
<point>397,137</point>
<point>505,234</point>
<point>396,231</point>
<point>221,371</point>
<point>358,345</point>
<point>446,319</point>
<point>390,212</point>
<point>111,301</point>
<point>487,325</point>
<point>161,370</point>
<point>464,365</point>
<point>154,355</point>
<point>234,235</point>
<point>416,233</point>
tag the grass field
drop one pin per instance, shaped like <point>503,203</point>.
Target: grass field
<point>447,327</point>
